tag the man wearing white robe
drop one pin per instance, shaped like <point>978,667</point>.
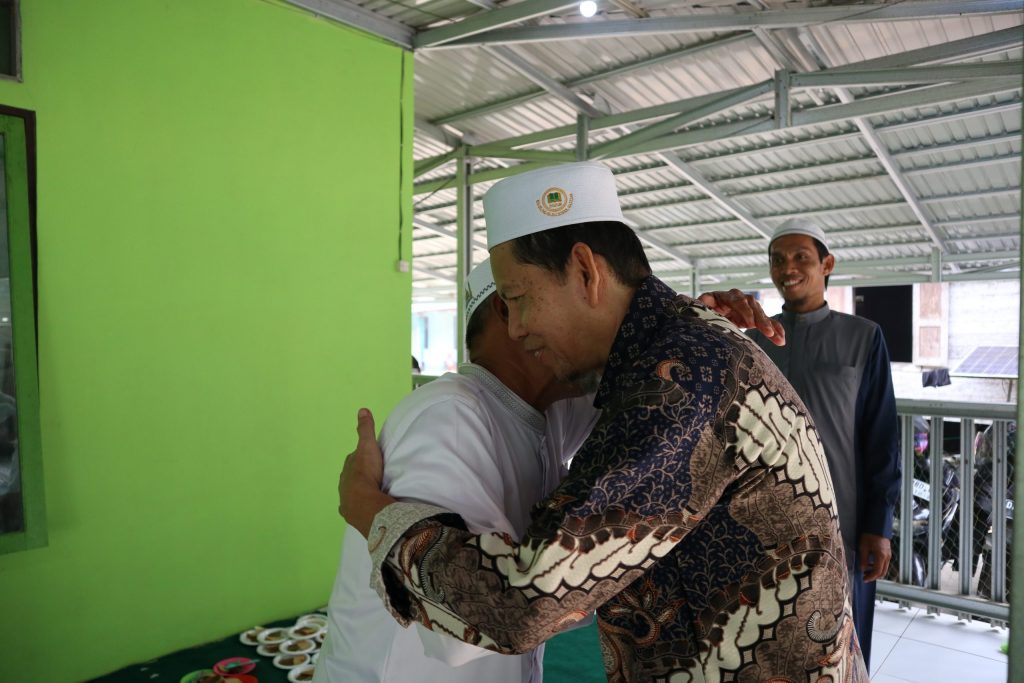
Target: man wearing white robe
<point>434,439</point>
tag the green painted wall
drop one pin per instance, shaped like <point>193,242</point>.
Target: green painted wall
<point>219,206</point>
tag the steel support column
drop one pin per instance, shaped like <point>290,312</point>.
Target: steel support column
<point>999,481</point>
<point>906,524</point>
<point>966,559</point>
<point>783,110</point>
<point>582,137</point>
<point>935,495</point>
<point>464,245</point>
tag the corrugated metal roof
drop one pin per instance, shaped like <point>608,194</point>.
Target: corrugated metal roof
<point>956,146</point>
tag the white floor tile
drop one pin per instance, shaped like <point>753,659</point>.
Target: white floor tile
<point>892,619</point>
<point>881,646</point>
<point>947,631</point>
<point>925,663</point>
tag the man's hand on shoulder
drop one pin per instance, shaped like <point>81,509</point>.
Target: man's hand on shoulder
<point>743,310</point>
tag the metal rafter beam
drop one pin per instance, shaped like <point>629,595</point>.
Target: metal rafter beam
<point>351,14</point>
<point>840,137</point>
<point>427,165</point>
<point>885,157</point>
<point>441,134</point>
<point>698,179</point>
<point>830,164</point>
<point>750,126</point>
<point>550,85</point>
<point>631,8</point>
<point>690,201</point>
<point>418,222</point>
<point>908,10</point>
<point>868,106</point>
<point>878,146</point>
<point>960,196</point>
<point>907,75</point>
<point>883,263</point>
<point>992,42</point>
<point>896,262</point>
<point>969,222</point>
<point>1012,157</point>
<point>616,120</point>
<point>975,46</point>
<point>839,164</point>
<point>707,108</point>
<point>596,76</point>
<point>660,246</point>
<point>490,152</point>
<point>430,272</point>
<point>786,59</point>
<point>487,21</point>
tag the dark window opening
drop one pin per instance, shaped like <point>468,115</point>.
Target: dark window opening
<point>893,309</point>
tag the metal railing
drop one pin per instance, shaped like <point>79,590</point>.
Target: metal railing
<point>943,531</point>
<point>946,555</point>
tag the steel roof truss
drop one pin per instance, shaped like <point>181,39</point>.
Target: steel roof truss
<point>716,105</point>
<point>488,20</point>
<point>906,75</point>
<point>604,74</point>
<point>693,23</point>
<point>550,85</point>
<point>351,14</point>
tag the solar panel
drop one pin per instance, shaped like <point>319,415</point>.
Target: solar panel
<point>989,361</point>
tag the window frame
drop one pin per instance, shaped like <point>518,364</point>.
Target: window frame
<point>17,128</point>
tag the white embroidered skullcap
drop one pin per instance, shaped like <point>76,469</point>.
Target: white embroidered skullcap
<point>479,286</point>
<point>799,226</point>
<point>548,198</point>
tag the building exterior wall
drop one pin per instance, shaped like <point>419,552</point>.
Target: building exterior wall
<point>220,209</point>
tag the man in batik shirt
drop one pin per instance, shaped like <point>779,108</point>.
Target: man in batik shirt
<point>698,518</point>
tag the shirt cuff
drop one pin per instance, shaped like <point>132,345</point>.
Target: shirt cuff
<point>877,519</point>
<point>389,525</point>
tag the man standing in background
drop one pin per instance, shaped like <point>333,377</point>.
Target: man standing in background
<point>839,366</point>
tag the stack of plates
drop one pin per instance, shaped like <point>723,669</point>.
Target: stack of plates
<point>295,648</point>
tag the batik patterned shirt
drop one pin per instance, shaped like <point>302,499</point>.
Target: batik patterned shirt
<point>698,519</point>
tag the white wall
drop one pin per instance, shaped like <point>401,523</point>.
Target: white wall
<point>980,314</point>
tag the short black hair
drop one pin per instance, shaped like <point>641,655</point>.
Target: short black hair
<point>822,253</point>
<point>615,241</point>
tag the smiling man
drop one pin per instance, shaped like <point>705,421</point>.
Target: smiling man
<point>698,518</point>
<point>839,366</point>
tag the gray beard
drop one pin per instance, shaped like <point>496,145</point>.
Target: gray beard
<point>587,382</point>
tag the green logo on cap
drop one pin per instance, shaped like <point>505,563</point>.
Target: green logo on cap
<point>554,202</point>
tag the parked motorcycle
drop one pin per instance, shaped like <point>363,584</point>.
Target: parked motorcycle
<point>983,497</point>
<point>920,507</point>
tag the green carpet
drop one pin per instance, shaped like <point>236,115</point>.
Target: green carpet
<point>574,657</point>
<point>571,657</point>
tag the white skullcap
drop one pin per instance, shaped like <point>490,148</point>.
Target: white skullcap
<point>799,226</point>
<point>550,198</point>
<point>479,286</point>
